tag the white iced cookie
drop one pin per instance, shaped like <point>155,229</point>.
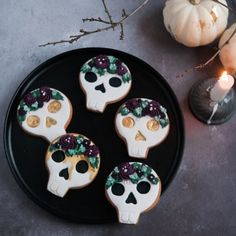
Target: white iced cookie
<point>142,123</point>
<point>45,112</point>
<point>104,79</point>
<point>73,162</point>
<point>132,187</point>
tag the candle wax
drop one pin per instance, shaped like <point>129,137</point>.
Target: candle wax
<point>221,87</point>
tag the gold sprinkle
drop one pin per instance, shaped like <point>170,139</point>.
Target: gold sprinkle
<point>128,122</point>
<point>54,106</point>
<point>140,137</point>
<point>33,121</point>
<point>50,121</point>
<point>152,125</point>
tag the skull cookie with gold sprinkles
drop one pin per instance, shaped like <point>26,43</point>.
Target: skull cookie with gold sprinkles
<point>104,79</point>
<point>45,112</point>
<point>132,188</point>
<point>73,161</point>
<point>142,123</point>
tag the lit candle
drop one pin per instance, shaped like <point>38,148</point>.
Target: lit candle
<point>222,87</point>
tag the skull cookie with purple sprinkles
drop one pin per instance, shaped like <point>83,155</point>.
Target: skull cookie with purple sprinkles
<point>45,112</point>
<point>142,123</point>
<point>132,188</point>
<point>104,79</point>
<point>73,161</point>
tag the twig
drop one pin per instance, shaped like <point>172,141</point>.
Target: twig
<point>217,53</point>
<point>99,19</point>
<point>121,31</point>
<point>201,66</point>
<point>124,14</point>
<point>107,12</point>
<point>112,25</point>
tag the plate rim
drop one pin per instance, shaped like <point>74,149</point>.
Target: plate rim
<point>7,151</point>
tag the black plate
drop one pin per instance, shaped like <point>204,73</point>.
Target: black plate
<point>26,153</point>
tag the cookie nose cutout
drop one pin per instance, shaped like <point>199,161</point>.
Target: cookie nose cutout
<point>101,88</point>
<point>50,121</point>
<point>139,136</point>
<point>131,199</point>
<point>64,173</point>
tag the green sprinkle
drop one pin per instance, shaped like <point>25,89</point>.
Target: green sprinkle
<point>36,93</point>
<point>134,178</point>
<point>81,149</point>
<point>112,68</point>
<point>126,77</point>
<point>94,161</point>
<point>112,59</point>
<point>110,181</point>
<point>138,112</point>
<point>21,118</point>
<point>124,111</point>
<point>85,68</point>
<point>57,96</point>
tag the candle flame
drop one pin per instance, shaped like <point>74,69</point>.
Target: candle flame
<point>224,76</point>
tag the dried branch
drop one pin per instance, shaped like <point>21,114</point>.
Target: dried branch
<point>121,31</point>
<point>111,25</point>
<point>107,12</point>
<point>99,19</point>
<point>124,14</point>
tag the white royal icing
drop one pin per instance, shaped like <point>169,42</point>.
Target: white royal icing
<point>57,184</point>
<point>140,149</point>
<point>128,213</point>
<point>95,99</point>
<point>62,118</point>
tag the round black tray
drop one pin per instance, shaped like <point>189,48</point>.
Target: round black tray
<point>26,153</point>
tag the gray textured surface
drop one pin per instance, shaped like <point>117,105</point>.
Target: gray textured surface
<point>201,200</point>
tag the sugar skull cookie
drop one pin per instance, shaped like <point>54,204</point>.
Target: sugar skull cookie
<point>73,162</point>
<point>45,112</point>
<point>132,187</point>
<point>104,79</point>
<point>142,123</point>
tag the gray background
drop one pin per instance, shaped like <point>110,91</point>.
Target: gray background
<point>201,200</point>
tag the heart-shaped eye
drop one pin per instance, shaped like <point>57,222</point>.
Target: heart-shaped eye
<point>153,125</point>
<point>115,82</point>
<point>90,77</point>
<point>118,189</point>
<point>82,167</point>
<point>143,187</point>
<point>33,121</point>
<point>128,122</point>
<point>58,156</point>
<point>64,173</point>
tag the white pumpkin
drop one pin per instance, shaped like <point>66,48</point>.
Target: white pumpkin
<point>195,22</point>
<point>228,52</point>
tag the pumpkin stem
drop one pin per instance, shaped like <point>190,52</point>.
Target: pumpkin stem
<point>195,2</point>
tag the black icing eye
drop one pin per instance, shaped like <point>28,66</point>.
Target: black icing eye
<point>82,167</point>
<point>115,82</point>
<point>117,189</point>
<point>58,156</point>
<point>90,77</point>
<point>143,187</point>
